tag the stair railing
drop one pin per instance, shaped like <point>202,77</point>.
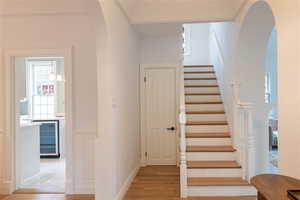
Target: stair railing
<point>243,135</point>
<point>182,122</point>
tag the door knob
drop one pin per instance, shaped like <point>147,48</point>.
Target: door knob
<point>171,128</point>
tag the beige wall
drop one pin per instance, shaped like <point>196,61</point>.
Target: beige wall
<point>288,26</point>
<point>1,102</point>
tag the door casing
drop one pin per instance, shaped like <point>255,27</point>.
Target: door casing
<point>10,168</point>
<point>143,114</point>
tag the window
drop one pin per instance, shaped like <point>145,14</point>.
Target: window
<point>267,88</point>
<point>186,39</point>
<point>43,88</point>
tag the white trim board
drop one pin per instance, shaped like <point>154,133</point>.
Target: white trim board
<point>127,183</point>
<point>143,130</point>
<point>10,135</point>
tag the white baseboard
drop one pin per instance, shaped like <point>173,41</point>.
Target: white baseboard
<point>127,183</point>
<point>29,179</point>
<point>4,187</point>
<point>84,187</point>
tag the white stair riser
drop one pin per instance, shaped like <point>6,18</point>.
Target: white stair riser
<point>208,141</point>
<point>200,82</point>
<point>198,69</point>
<point>199,76</point>
<point>221,191</point>
<point>211,156</point>
<point>206,117</point>
<point>210,98</point>
<point>207,129</point>
<point>204,107</point>
<point>231,172</point>
<point>202,90</point>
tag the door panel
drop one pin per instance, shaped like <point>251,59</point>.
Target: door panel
<point>161,115</point>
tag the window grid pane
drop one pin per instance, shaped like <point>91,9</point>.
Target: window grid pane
<point>43,89</point>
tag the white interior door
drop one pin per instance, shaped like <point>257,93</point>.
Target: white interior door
<point>161,116</point>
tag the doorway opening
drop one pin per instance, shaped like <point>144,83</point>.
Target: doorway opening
<point>250,63</point>
<point>271,100</point>
<point>40,123</point>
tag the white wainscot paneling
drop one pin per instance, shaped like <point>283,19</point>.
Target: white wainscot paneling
<point>84,176</point>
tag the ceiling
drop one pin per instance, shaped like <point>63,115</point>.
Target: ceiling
<point>180,11</point>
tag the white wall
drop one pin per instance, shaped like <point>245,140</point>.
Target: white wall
<point>197,38</point>
<point>288,73</point>
<point>56,24</point>
<point>117,146</point>
<point>249,73</point>
<point>160,43</point>
<point>221,52</point>
<point>161,50</point>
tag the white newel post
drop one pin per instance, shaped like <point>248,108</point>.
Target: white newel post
<point>182,122</point>
<point>247,135</point>
<point>250,141</point>
<point>237,139</point>
<point>243,136</point>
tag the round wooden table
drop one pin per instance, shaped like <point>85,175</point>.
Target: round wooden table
<point>276,187</point>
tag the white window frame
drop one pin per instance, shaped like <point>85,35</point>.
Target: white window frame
<point>187,39</point>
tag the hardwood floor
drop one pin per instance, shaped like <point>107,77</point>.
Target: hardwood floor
<point>2,196</point>
<point>155,183</point>
<point>48,197</point>
<point>163,183</point>
<point>151,183</point>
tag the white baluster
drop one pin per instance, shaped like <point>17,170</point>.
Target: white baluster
<point>251,143</point>
<point>182,121</point>
<point>183,164</point>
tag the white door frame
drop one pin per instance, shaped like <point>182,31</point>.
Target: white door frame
<point>143,117</point>
<point>10,167</point>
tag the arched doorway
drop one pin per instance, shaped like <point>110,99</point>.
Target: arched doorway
<point>250,64</point>
<point>271,100</point>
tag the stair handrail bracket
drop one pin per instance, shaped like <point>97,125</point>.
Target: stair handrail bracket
<point>182,122</point>
<point>243,133</point>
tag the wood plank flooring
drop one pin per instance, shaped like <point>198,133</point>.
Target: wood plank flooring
<point>151,183</point>
<point>163,183</point>
<point>155,183</point>
<point>48,197</point>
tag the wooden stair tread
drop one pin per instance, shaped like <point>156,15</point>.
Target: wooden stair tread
<point>223,198</point>
<point>217,181</point>
<point>202,94</point>
<point>200,72</point>
<point>204,102</point>
<point>212,164</point>
<point>194,123</point>
<point>197,66</point>
<point>200,86</point>
<point>210,149</point>
<point>204,112</point>
<point>200,79</point>
<point>208,135</point>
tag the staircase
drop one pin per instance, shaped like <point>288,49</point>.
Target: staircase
<point>210,159</point>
